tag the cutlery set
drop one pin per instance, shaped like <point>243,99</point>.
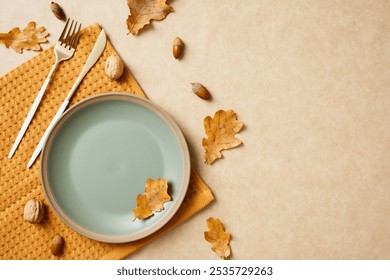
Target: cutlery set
<point>63,50</point>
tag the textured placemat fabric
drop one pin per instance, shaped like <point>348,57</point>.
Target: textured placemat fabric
<point>18,89</point>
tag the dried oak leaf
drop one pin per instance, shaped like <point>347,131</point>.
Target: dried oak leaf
<point>218,237</point>
<point>29,39</point>
<point>156,194</point>
<point>143,11</point>
<point>220,131</point>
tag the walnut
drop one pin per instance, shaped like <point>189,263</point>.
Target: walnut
<point>34,210</point>
<point>114,67</point>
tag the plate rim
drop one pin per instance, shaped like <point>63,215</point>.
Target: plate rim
<point>104,97</point>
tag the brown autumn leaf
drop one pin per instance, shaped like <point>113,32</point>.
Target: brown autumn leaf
<point>220,131</point>
<point>29,39</point>
<point>218,237</point>
<point>143,11</point>
<point>156,194</point>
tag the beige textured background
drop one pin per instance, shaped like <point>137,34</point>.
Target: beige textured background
<point>310,80</point>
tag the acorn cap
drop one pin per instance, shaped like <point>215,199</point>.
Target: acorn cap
<point>178,42</point>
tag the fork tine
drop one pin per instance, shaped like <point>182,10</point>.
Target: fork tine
<point>66,38</point>
<point>76,39</point>
<point>71,36</point>
<point>63,31</point>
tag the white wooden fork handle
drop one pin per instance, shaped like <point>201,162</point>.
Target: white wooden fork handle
<point>32,111</point>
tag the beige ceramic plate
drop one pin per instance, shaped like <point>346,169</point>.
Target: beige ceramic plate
<point>98,157</point>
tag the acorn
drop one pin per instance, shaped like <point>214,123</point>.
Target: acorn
<point>178,47</point>
<point>57,246</point>
<point>200,91</point>
<point>57,11</point>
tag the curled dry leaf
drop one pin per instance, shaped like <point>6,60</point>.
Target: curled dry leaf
<point>218,237</point>
<point>143,11</point>
<point>220,131</point>
<point>156,194</point>
<point>29,39</point>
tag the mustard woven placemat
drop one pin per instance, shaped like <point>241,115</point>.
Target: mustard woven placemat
<point>18,89</point>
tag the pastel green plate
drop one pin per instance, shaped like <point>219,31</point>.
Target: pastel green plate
<point>98,157</point>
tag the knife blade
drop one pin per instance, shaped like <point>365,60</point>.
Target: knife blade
<point>96,52</point>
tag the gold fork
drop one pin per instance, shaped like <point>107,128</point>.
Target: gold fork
<point>63,50</point>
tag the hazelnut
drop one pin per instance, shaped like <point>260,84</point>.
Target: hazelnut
<point>57,246</point>
<point>200,91</point>
<point>178,47</point>
<point>34,210</point>
<point>114,67</point>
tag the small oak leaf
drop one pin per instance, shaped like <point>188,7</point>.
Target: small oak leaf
<point>29,39</point>
<point>142,211</point>
<point>156,194</point>
<point>220,131</point>
<point>143,11</point>
<point>218,238</point>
